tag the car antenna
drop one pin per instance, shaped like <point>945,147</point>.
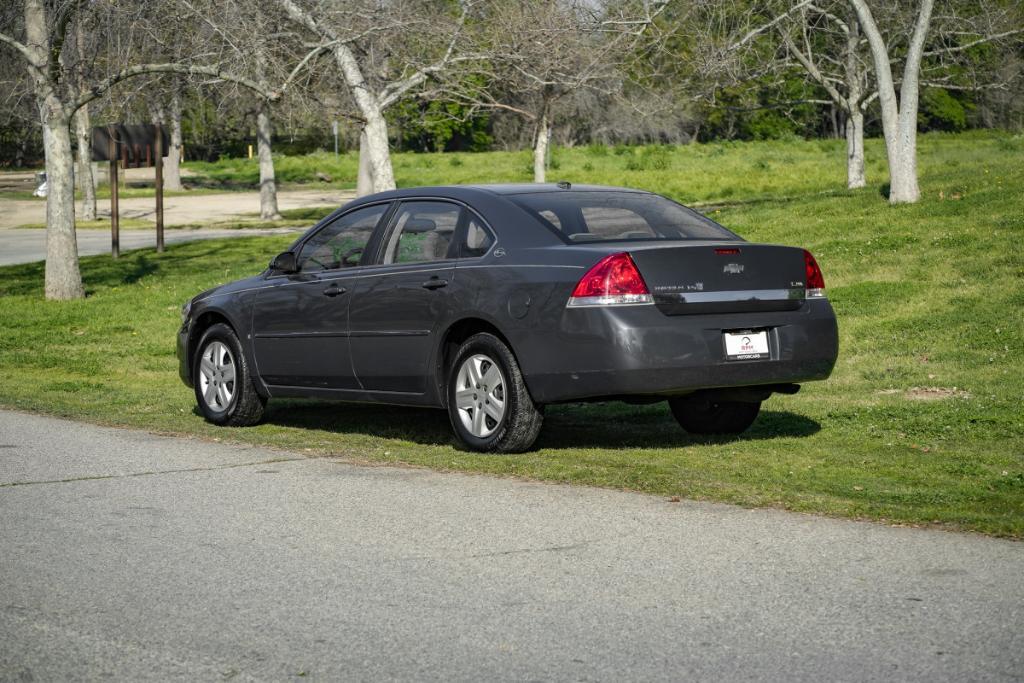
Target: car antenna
<point>564,185</point>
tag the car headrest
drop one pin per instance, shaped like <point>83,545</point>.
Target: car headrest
<point>419,225</point>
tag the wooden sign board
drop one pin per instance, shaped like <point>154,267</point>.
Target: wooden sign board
<point>133,144</point>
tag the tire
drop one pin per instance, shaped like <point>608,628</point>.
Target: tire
<point>703,416</point>
<point>493,416</point>
<point>222,380</point>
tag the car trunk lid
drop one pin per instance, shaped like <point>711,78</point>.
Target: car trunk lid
<point>725,277</point>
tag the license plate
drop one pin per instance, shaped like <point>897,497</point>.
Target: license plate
<point>748,345</point>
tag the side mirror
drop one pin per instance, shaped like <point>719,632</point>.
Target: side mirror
<point>285,263</point>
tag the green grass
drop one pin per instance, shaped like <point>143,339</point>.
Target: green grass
<point>929,296</point>
<point>714,173</point>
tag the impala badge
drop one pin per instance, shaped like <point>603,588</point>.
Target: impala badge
<point>732,268</point>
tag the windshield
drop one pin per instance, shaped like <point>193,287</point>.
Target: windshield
<point>595,216</point>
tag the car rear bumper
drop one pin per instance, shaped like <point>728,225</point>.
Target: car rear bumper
<point>624,351</point>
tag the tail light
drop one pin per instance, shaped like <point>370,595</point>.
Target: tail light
<point>814,280</point>
<point>614,281</point>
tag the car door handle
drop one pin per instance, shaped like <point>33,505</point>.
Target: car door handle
<point>435,283</point>
<point>334,290</point>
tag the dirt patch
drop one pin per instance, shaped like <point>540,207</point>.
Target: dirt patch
<point>927,393</point>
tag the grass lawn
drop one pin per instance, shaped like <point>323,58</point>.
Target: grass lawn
<point>921,422</point>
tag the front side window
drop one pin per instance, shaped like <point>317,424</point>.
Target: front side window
<point>423,232</point>
<point>596,216</point>
<point>341,244</point>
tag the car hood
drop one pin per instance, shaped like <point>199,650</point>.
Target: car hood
<point>230,287</point>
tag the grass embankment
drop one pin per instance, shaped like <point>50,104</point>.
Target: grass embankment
<point>921,422</point>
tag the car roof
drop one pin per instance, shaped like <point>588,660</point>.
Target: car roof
<point>467,192</point>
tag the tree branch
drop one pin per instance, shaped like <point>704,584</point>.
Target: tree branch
<point>25,52</point>
<point>394,91</point>
<point>753,33</point>
<point>60,33</point>
<point>973,43</point>
<point>100,88</point>
<point>812,69</point>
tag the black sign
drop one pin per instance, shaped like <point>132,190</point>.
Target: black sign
<point>134,144</point>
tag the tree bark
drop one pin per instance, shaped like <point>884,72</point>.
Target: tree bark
<point>63,279</point>
<point>364,181</point>
<point>540,149</point>
<point>855,149</point>
<point>268,188</point>
<point>172,164</point>
<point>83,131</point>
<point>378,152</point>
<point>899,118</point>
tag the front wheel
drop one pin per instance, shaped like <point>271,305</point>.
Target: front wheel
<point>223,385</point>
<point>702,416</point>
<point>488,404</point>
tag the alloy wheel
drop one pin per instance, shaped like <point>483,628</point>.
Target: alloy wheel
<point>480,395</point>
<point>217,376</point>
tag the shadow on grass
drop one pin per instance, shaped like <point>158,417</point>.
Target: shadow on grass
<point>565,426</point>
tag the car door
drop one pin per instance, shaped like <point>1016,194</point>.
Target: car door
<point>300,321</point>
<point>397,307</point>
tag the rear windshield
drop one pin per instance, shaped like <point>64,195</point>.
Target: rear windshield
<point>588,216</point>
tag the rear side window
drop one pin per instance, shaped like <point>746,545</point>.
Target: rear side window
<point>423,232</point>
<point>596,216</point>
<point>478,239</point>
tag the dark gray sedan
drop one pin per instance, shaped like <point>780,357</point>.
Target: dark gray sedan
<point>494,301</point>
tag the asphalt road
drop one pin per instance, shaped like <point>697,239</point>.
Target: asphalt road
<point>26,245</point>
<point>137,557</point>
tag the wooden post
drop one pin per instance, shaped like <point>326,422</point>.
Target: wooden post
<point>158,146</point>
<point>115,238</point>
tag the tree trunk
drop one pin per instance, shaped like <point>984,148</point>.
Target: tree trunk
<point>268,188</point>
<point>364,181</point>
<point>376,131</point>
<point>899,119</point>
<point>83,131</point>
<point>63,279</point>
<point>855,149</point>
<point>172,164</point>
<point>540,149</point>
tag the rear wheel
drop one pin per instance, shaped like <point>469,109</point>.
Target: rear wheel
<point>223,385</point>
<point>699,415</point>
<point>488,404</point>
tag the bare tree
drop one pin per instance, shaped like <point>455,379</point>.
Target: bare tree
<point>534,55</point>
<point>899,116</point>
<point>384,52</point>
<point>829,47</point>
<point>83,132</point>
<point>961,27</point>
<point>53,73</point>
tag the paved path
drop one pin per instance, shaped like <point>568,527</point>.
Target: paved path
<point>136,557</point>
<point>179,210</point>
<point>26,245</point>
